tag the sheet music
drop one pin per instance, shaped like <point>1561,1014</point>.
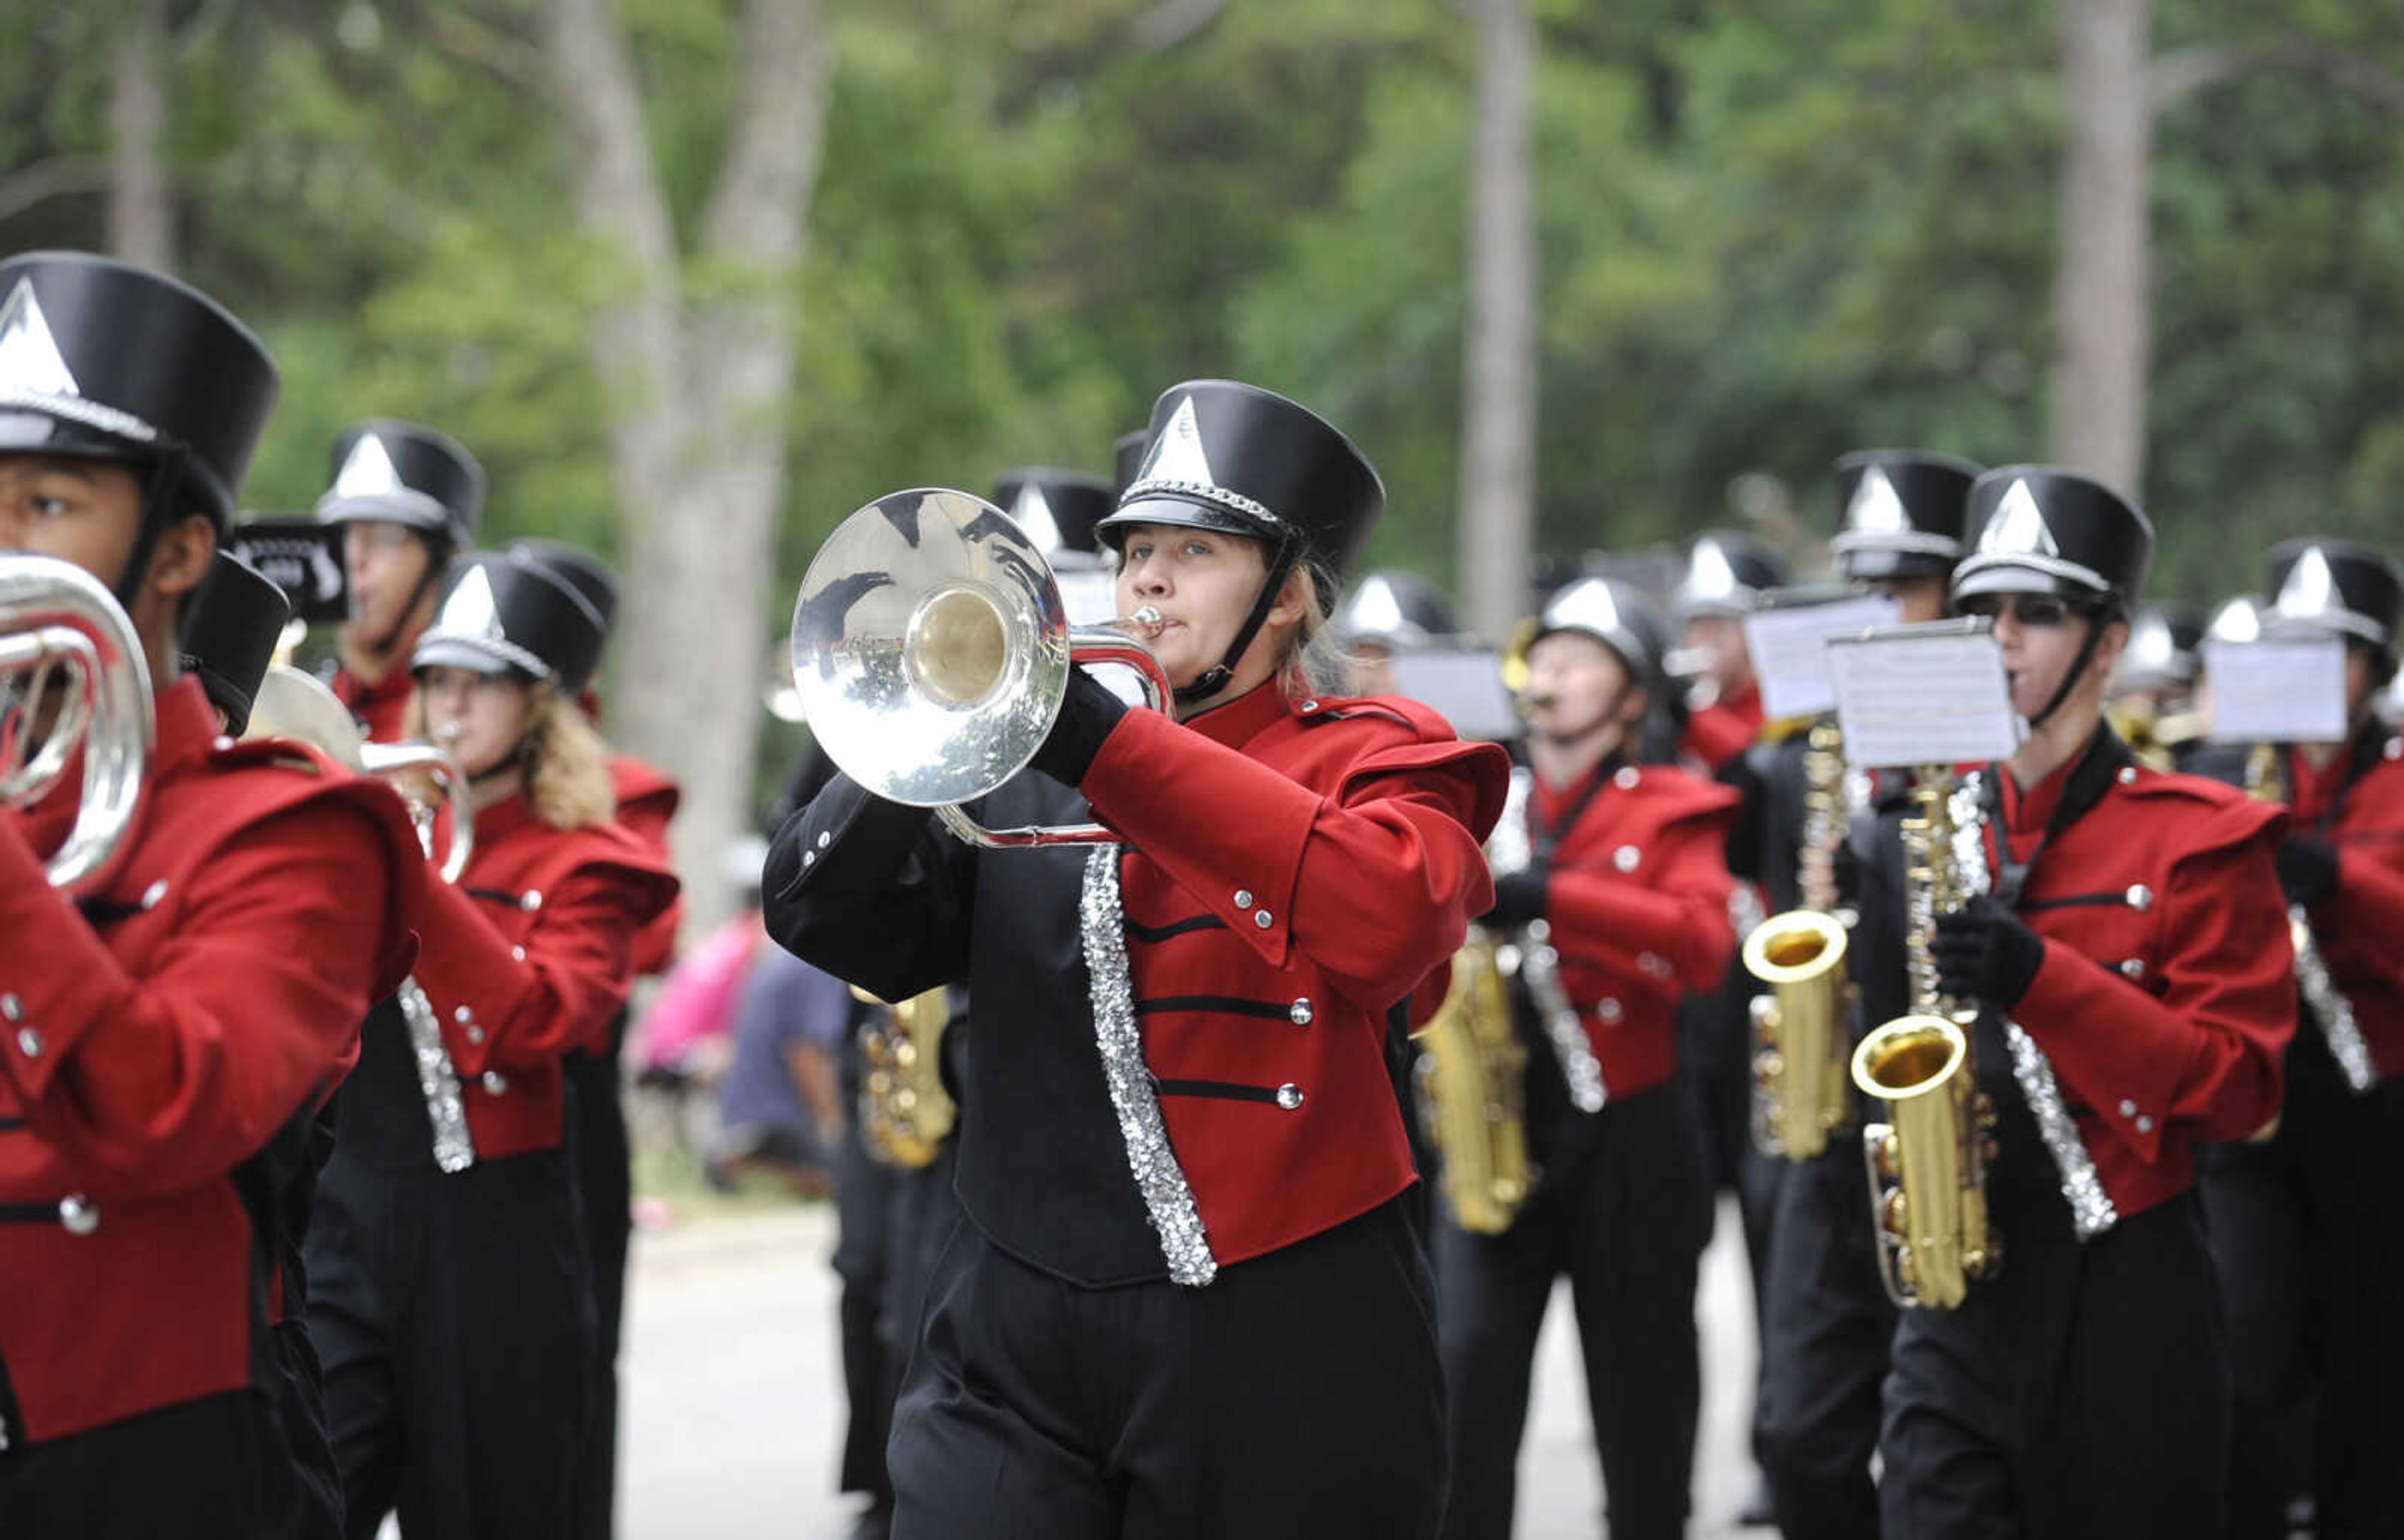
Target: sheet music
<point>1465,684</point>
<point>1790,650</point>
<point>2277,689</point>
<point>1922,694</point>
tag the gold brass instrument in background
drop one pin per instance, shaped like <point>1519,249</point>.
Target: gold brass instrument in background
<point>1802,1029</point>
<point>932,652</point>
<point>1927,1164</point>
<point>1471,1074</point>
<point>292,705</point>
<point>73,675</point>
<point>905,1113</point>
<point>2330,1007</point>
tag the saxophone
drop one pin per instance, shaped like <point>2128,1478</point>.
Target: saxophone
<point>2328,1003</point>
<point>1927,1164</point>
<point>1801,1045</point>
<point>905,1114</point>
<point>1470,1075</point>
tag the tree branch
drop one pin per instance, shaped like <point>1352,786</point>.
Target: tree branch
<point>55,176</point>
<point>469,39</point>
<point>2178,75</point>
<point>1171,22</point>
<point>757,211</point>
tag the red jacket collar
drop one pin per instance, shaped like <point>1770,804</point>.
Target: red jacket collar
<point>1243,719</point>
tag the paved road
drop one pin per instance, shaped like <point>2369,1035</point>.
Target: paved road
<point>734,1400</point>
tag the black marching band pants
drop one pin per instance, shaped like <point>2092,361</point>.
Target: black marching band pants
<point>1295,1398</point>
<point>1825,1333</point>
<point>453,1315</point>
<point>596,1142</point>
<point>1623,1208</point>
<point>2307,1233</point>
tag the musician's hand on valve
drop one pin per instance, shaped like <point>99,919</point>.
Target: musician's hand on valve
<point>1519,897</point>
<point>2308,872</point>
<point>1983,952</point>
<point>1087,713</point>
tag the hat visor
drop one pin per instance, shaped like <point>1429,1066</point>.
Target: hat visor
<point>1632,653</point>
<point>402,507</point>
<point>2008,577</point>
<point>1181,513</point>
<point>468,652</point>
<point>1868,563</point>
<point>27,430</point>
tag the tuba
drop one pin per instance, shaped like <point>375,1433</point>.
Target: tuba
<point>932,652</point>
<point>292,705</point>
<point>905,1113</point>
<point>69,655</point>
<point>1927,1164</point>
<point>1802,1039</point>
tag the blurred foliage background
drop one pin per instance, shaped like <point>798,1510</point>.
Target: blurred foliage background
<point>1770,231</point>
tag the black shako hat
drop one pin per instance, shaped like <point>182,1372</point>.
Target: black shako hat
<point>1057,509</point>
<point>1127,458</point>
<point>2162,643</point>
<point>102,360</point>
<point>229,633</point>
<point>1236,458</point>
<point>500,613</point>
<point>2334,586</point>
<point>1903,511</point>
<point>582,571</point>
<point>402,473</point>
<point>1396,608</point>
<point>1616,614</point>
<point>2040,529</point>
<point>1727,573</point>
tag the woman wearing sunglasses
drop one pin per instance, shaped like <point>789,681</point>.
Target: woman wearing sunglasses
<point>2128,947</point>
<point>1189,1293</point>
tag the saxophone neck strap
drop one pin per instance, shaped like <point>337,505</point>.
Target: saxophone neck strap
<point>2099,766</point>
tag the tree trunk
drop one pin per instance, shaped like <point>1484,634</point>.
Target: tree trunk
<point>2103,294</point>
<point>698,417</point>
<point>141,206</point>
<point>1497,451</point>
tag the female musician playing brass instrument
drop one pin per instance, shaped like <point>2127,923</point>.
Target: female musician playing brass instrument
<point>1188,1294</point>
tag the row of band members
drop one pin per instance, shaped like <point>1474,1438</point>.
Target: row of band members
<point>1189,1286</point>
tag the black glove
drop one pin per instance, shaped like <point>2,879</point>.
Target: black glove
<point>2307,868</point>
<point>1087,713</point>
<point>1984,953</point>
<point>1519,898</point>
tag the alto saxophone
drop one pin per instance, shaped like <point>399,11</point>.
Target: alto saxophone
<point>2328,1003</point>
<point>905,1113</point>
<point>1801,1045</point>
<point>1927,1164</point>
<point>1471,1073</point>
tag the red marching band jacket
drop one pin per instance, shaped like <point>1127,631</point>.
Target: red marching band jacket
<point>2358,925</point>
<point>2167,996</point>
<point>380,707</point>
<point>1638,905</point>
<point>1718,732</point>
<point>1341,883</point>
<point>157,1036</point>
<point>528,959</point>
<point>647,801</point>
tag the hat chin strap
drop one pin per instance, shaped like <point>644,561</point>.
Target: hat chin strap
<point>166,474</point>
<point>2078,667</point>
<point>1217,676</point>
<point>437,562</point>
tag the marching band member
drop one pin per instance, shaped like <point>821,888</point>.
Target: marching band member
<point>1387,612</point>
<point>1827,1321</point>
<point>1727,575</point>
<point>167,1038</point>
<point>453,1298</point>
<point>1188,1293</point>
<point>2128,956</point>
<point>645,799</point>
<point>407,499</point>
<point>1629,874</point>
<point>2150,702</point>
<point>2308,1242</point>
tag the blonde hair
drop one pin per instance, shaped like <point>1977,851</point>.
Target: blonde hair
<point>566,764</point>
<point>1315,661</point>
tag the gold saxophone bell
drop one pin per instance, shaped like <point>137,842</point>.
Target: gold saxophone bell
<point>1471,1069</point>
<point>931,653</point>
<point>905,1113</point>
<point>73,675</point>
<point>293,707</point>
<point>1800,1031</point>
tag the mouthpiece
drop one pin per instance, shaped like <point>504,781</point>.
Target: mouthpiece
<point>1146,620</point>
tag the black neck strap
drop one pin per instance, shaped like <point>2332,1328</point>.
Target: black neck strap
<point>2078,666</point>
<point>2098,767</point>
<point>1544,834</point>
<point>437,562</point>
<point>1217,676</point>
<point>166,473</point>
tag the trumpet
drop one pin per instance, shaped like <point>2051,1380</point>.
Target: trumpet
<point>73,675</point>
<point>932,652</point>
<point>292,705</point>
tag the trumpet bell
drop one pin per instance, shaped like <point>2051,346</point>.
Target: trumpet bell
<point>930,648</point>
